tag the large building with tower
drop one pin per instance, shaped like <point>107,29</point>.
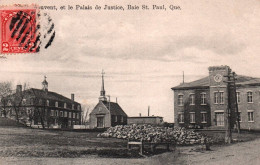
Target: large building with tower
<point>204,102</point>
<point>106,113</point>
<point>41,108</point>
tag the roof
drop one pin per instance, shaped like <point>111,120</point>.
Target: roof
<point>204,82</point>
<point>146,117</point>
<point>48,95</point>
<point>114,108</point>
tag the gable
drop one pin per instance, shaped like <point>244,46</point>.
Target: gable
<point>100,109</point>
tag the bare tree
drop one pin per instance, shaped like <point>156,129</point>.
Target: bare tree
<point>5,90</point>
<point>86,109</point>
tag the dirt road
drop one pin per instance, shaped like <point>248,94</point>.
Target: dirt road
<point>238,154</point>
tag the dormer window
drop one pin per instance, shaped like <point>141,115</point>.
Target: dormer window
<point>72,107</point>
<point>24,101</point>
<point>65,105</point>
<point>56,104</point>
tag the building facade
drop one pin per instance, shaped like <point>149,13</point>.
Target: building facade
<point>42,108</point>
<point>106,113</point>
<point>152,120</point>
<point>204,102</point>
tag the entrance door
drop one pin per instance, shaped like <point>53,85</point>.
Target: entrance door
<point>220,118</point>
<point>100,122</point>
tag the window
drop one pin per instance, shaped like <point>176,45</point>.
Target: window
<point>31,101</point>
<point>180,100</point>
<point>238,97</point>
<point>216,98</point>
<point>192,117</point>
<point>250,116</point>
<point>47,102</point>
<point>122,119</point>
<point>78,107</point>
<point>249,97</point>
<point>40,102</point>
<point>73,122</point>
<point>61,113</point>
<point>24,102</point>
<point>69,123</point>
<point>57,113</point>
<point>65,105</point>
<point>115,118</point>
<point>65,114</point>
<point>56,104</point>
<point>181,117</point>
<point>72,107</point>
<point>203,117</point>
<point>239,117</point>
<point>221,97</point>
<point>73,115</point>
<point>203,98</point>
<point>192,99</point>
<point>69,114</point>
<point>52,112</point>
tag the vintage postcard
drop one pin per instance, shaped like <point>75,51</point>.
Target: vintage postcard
<point>129,82</point>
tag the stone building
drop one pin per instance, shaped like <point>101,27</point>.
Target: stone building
<point>204,102</point>
<point>106,113</point>
<point>42,108</point>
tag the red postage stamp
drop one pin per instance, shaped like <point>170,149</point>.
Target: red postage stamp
<point>19,30</point>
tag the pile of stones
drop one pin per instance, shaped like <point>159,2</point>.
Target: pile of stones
<point>149,133</point>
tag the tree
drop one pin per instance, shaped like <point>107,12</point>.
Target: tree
<point>85,112</point>
<point>5,90</point>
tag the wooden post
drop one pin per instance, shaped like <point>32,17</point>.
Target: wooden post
<point>141,147</point>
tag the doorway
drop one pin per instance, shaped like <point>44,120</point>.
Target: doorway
<point>100,122</point>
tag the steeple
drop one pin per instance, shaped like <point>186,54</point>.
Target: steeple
<point>45,84</point>
<point>103,92</point>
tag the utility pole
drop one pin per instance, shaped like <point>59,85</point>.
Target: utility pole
<point>228,134</point>
<point>237,113</point>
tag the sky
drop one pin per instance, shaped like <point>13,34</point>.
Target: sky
<point>143,53</point>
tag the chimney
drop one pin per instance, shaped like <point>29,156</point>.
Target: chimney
<point>18,88</point>
<point>140,114</point>
<point>116,99</point>
<point>148,110</point>
<point>72,96</point>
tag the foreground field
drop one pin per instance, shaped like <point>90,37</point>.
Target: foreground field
<point>34,146</point>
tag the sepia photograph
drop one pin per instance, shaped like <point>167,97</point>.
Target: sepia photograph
<point>117,82</point>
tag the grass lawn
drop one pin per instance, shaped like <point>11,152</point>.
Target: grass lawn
<point>18,141</point>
